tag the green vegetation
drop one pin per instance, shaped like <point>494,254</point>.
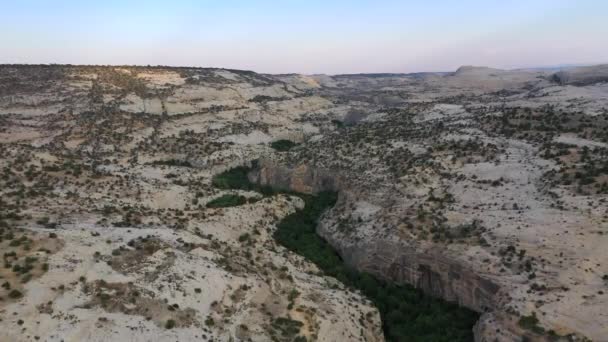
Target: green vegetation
<point>15,294</point>
<point>407,313</point>
<point>286,327</point>
<point>236,178</point>
<point>265,98</point>
<point>581,168</point>
<point>229,200</point>
<point>233,179</point>
<point>170,324</point>
<point>171,162</point>
<point>282,145</point>
<point>244,237</point>
<point>338,123</point>
<point>531,323</point>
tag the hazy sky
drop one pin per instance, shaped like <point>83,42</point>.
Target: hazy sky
<point>308,36</point>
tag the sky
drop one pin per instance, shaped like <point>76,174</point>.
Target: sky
<point>308,36</point>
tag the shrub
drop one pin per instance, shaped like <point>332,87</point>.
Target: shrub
<point>233,179</point>
<point>338,123</point>
<point>265,98</point>
<point>288,327</point>
<point>244,237</point>
<point>43,221</point>
<point>170,324</point>
<point>282,145</point>
<point>531,323</point>
<point>15,294</point>
<point>172,162</point>
<point>229,200</point>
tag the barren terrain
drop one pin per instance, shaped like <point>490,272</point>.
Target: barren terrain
<point>483,187</point>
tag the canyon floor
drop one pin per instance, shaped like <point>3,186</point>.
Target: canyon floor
<point>486,188</point>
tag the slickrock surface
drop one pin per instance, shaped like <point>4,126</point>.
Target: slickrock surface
<point>484,187</point>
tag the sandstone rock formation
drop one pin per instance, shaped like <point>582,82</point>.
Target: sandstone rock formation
<point>582,75</point>
<point>483,187</point>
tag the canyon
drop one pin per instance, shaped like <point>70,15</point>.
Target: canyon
<point>485,188</point>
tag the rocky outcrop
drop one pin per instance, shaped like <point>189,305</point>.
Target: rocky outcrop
<point>489,328</point>
<point>582,76</point>
<point>302,178</point>
<point>429,270</point>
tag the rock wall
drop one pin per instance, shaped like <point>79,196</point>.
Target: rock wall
<point>431,271</point>
<point>302,178</point>
<point>582,76</point>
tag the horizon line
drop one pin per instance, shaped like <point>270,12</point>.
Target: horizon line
<point>160,66</point>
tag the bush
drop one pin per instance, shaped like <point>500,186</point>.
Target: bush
<point>229,200</point>
<point>170,324</point>
<point>15,294</point>
<point>233,179</point>
<point>171,162</point>
<point>287,327</point>
<point>531,323</point>
<point>244,237</point>
<point>282,145</point>
<point>265,98</point>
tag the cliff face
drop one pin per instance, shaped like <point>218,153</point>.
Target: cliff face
<point>387,257</point>
<point>582,76</point>
<point>302,178</point>
<point>430,270</point>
